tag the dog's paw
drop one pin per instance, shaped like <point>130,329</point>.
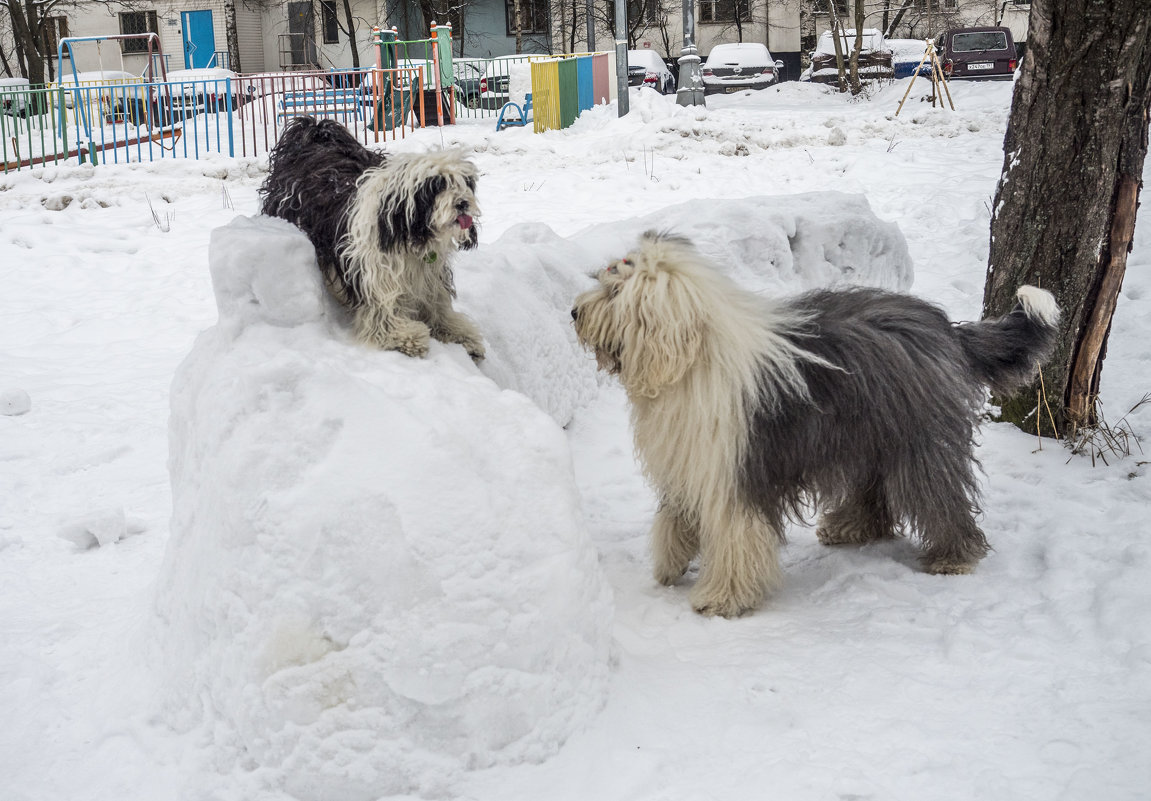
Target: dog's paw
<point>412,347</point>
<point>728,609</point>
<point>668,576</point>
<point>711,605</point>
<point>948,566</point>
<point>475,349</point>
<point>412,340</point>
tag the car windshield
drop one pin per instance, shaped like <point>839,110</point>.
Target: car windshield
<point>872,40</point>
<point>978,41</point>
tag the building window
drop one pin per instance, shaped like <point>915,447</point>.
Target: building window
<point>640,12</point>
<point>533,16</point>
<point>55,29</point>
<point>724,10</point>
<point>137,22</point>
<point>328,17</point>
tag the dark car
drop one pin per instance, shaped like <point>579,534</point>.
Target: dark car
<point>479,84</point>
<point>979,54</point>
<point>875,57</point>
<point>646,68</point>
<point>734,67</point>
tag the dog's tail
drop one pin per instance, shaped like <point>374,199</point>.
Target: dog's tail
<point>1006,351</point>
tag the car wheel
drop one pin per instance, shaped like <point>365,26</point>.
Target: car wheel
<point>472,101</point>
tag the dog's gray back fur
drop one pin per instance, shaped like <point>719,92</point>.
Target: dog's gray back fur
<point>888,427</point>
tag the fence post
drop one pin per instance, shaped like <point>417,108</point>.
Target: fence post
<point>228,103</point>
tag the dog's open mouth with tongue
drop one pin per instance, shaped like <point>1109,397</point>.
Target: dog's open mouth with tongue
<point>470,233</point>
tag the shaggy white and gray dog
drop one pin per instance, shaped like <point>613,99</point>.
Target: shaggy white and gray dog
<point>746,411</point>
<point>384,228</point>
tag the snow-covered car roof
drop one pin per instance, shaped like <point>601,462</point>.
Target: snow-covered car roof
<point>872,40</point>
<point>646,58</point>
<point>201,74</point>
<point>95,76</point>
<point>744,54</point>
<point>906,48</point>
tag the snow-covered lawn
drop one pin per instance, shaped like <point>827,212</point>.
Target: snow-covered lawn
<point>356,576</point>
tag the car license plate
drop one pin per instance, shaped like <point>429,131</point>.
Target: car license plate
<point>729,89</point>
<point>980,65</point>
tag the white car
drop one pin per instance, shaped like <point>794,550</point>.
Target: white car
<point>14,96</point>
<point>94,78</point>
<point>646,68</point>
<point>734,67</point>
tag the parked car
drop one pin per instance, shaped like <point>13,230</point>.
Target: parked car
<point>205,90</point>
<point>979,54</point>
<point>14,96</point>
<point>646,68</point>
<point>906,55</point>
<point>108,78</point>
<point>875,57</point>
<point>480,84</point>
<point>733,67</point>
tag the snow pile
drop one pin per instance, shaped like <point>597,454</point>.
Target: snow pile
<point>779,244</point>
<point>15,402</point>
<point>519,291</point>
<point>378,574</point>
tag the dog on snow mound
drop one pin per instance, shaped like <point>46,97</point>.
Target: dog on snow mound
<point>384,227</point>
<point>746,410</point>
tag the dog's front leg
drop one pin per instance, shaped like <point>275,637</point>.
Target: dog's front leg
<point>740,561</point>
<point>388,331</point>
<point>448,325</point>
<point>674,543</point>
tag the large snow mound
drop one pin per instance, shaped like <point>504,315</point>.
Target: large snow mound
<point>780,244</point>
<point>378,574</point>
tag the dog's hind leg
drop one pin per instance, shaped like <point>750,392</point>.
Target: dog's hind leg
<point>863,517</point>
<point>674,542</point>
<point>740,561</point>
<point>941,508</point>
<point>388,331</point>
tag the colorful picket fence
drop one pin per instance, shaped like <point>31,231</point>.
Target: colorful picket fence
<point>564,86</point>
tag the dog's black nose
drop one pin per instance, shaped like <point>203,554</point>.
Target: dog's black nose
<point>575,313</point>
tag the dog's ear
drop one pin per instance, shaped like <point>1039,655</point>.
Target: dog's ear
<point>662,339</point>
<point>409,218</point>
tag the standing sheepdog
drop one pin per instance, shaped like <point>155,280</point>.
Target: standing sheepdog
<point>384,228</point>
<point>746,410</point>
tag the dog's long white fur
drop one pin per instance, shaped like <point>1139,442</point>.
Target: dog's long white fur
<point>721,356</point>
<point>399,277</point>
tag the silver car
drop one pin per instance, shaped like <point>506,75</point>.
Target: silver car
<point>735,67</point>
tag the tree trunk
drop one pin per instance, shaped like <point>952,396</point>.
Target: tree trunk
<point>351,31</point>
<point>854,82</point>
<point>837,41</point>
<point>232,36</point>
<point>890,29</point>
<point>518,11</point>
<point>25,27</point>
<point>1065,204</point>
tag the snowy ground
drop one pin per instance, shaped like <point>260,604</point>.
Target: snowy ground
<point>863,679</point>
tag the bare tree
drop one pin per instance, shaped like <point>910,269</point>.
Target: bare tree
<point>33,30</point>
<point>1065,205</point>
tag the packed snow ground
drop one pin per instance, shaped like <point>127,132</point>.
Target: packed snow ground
<point>862,678</point>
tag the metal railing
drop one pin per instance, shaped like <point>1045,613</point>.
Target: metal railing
<point>146,121</point>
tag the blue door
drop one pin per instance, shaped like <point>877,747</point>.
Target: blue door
<point>199,39</point>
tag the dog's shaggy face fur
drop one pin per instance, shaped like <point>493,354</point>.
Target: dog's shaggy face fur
<point>384,228</point>
<point>747,411</point>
